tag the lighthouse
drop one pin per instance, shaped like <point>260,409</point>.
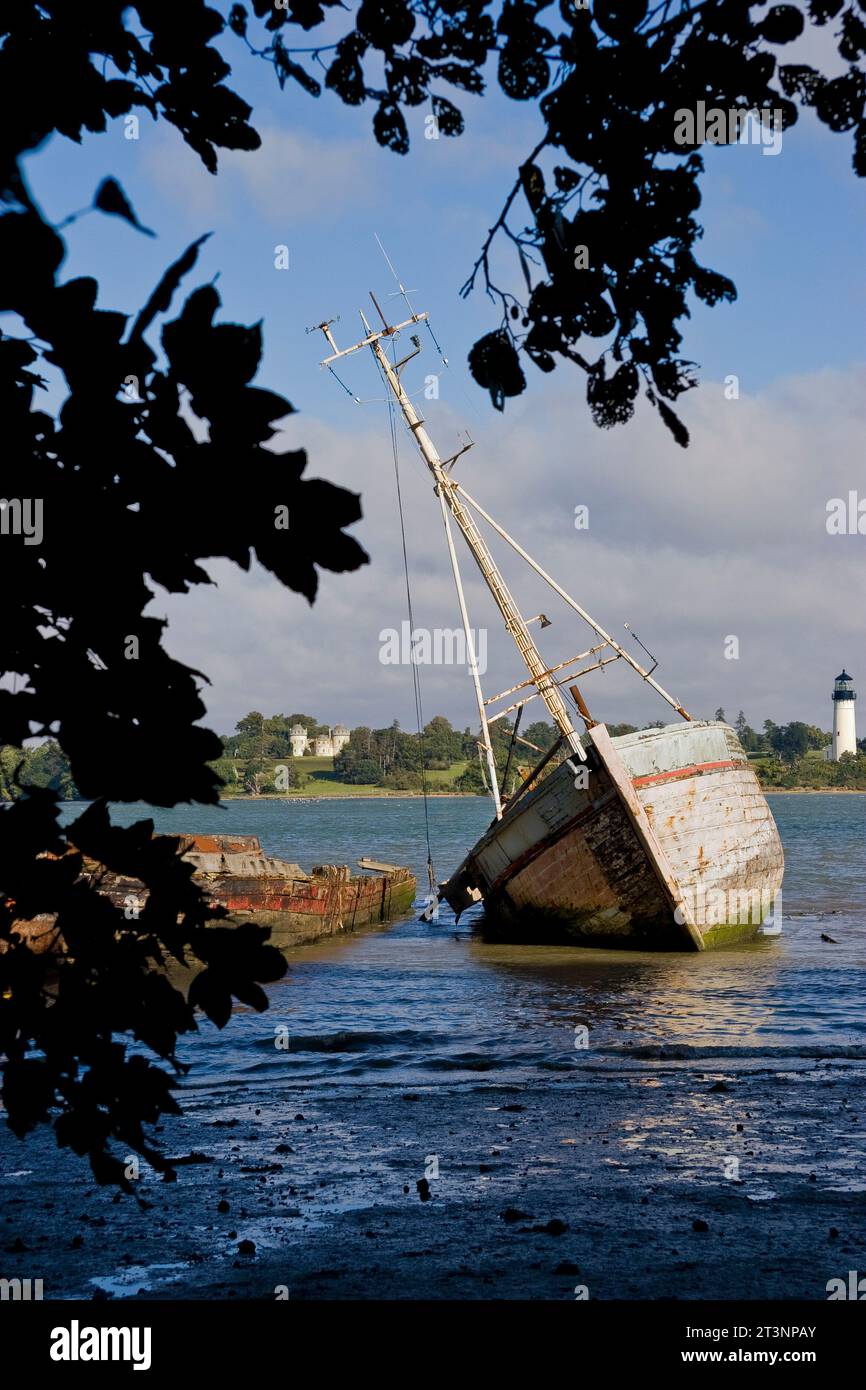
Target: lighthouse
<point>844,729</point>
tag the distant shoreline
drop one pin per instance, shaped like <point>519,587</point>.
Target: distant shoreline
<point>349,796</point>
<point>814,791</point>
<point>458,796</point>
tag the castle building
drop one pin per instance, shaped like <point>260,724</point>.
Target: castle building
<point>320,745</point>
<point>844,725</point>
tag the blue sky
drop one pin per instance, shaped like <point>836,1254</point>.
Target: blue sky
<point>725,538</point>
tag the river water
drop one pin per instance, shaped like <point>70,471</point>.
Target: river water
<point>416,1001</point>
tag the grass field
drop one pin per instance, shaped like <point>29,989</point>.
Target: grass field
<point>322,780</point>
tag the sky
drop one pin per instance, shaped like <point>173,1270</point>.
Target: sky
<point>727,539</point>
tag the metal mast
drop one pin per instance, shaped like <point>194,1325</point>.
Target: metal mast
<point>447,490</point>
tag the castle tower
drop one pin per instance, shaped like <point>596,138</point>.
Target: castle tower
<point>299,740</point>
<point>341,737</point>
<point>844,728</point>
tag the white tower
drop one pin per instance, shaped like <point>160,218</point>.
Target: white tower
<point>299,740</point>
<point>844,728</point>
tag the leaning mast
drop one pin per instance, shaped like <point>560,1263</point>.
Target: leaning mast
<point>447,492</point>
<point>453,499</point>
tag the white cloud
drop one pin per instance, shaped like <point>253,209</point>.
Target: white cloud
<point>294,177</point>
<point>727,537</point>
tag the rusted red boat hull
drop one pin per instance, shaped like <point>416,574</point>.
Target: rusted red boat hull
<point>299,911</point>
<point>254,887</point>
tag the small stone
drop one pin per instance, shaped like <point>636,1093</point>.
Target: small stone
<point>514,1214</point>
<point>699,1225</point>
<point>246,1247</point>
<point>223,1206</point>
<point>556,1227</point>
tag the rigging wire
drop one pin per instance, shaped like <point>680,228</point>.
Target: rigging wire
<point>348,390</point>
<point>439,349</point>
<point>432,897</point>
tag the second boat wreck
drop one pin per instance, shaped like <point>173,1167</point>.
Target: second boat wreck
<point>236,874</point>
<point>298,907</point>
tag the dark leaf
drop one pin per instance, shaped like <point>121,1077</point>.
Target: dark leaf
<point>494,364</point>
<point>162,296</point>
<point>111,198</point>
<point>448,118</point>
<point>782,24</point>
<point>674,424</point>
<point>389,128</point>
<point>238,20</point>
<point>839,103</point>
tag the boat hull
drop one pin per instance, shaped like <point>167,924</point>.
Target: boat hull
<point>298,907</point>
<point>660,841</point>
<point>251,886</point>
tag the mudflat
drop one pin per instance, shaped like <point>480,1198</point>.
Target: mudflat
<point>670,1180</point>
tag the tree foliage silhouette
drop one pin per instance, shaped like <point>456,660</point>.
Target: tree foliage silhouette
<point>155,417</point>
<point>607,173</point>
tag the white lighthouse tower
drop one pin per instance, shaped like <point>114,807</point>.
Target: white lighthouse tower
<point>844,727</point>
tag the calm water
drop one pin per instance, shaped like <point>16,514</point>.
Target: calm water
<point>425,1004</point>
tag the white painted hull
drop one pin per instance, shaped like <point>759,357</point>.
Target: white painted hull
<point>669,845</point>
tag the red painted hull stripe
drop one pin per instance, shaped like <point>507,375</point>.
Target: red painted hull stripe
<point>683,772</point>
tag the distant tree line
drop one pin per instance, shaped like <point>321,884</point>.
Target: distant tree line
<point>393,759</point>
<point>44,765</point>
<point>848,774</point>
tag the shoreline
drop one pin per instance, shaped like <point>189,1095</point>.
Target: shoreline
<point>352,796</point>
<point>417,796</point>
<point>459,796</point>
<point>814,791</point>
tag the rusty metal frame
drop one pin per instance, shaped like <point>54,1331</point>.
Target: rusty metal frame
<point>559,684</point>
<point>512,689</point>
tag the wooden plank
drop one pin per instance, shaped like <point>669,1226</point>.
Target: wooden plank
<point>618,773</point>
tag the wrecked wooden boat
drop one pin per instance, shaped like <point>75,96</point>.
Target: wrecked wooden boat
<point>666,843</point>
<point>298,907</point>
<point>656,840</point>
<point>252,886</point>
